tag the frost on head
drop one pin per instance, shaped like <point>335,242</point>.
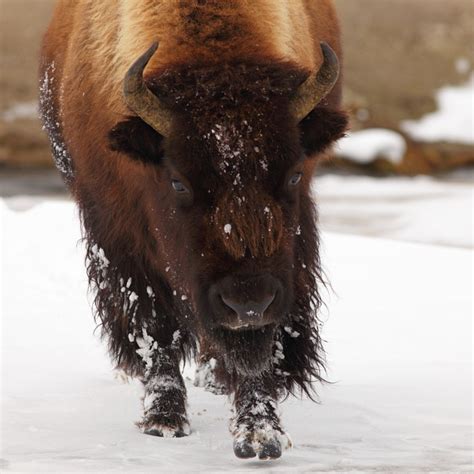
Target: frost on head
<point>237,151</point>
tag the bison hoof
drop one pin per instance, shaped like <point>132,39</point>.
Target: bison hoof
<point>244,450</point>
<point>266,446</point>
<point>164,431</point>
<point>270,450</point>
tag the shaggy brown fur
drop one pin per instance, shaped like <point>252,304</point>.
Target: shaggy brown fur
<point>227,70</point>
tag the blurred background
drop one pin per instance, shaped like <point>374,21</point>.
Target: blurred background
<point>409,87</point>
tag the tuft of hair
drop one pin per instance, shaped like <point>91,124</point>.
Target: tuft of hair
<point>322,128</point>
<point>128,298</point>
<point>303,362</point>
<point>136,139</point>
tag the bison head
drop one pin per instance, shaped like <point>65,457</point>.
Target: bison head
<point>226,187</point>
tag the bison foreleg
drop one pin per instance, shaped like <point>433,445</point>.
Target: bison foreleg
<point>164,402</point>
<point>256,425</point>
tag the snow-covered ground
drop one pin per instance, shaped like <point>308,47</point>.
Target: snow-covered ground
<point>421,209</point>
<point>398,333</point>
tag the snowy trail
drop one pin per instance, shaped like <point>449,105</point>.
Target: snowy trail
<point>399,341</point>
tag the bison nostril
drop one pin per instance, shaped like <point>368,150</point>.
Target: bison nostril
<point>249,310</point>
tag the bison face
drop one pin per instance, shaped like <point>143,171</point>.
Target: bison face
<point>226,188</point>
<point>231,222</point>
<point>226,205</point>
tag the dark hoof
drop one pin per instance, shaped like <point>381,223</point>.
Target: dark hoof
<point>166,432</point>
<point>264,445</point>
<point>244,450</point>
<point>154,432</point>
<point>270,450</point>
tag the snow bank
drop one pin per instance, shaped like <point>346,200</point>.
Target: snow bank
<point>367,145</point>
<point>418,209</point>
<point>399,349</point>
<point>452,122</point>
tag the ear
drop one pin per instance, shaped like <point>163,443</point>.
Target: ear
<point>321,128</point>
<point>137,139</point>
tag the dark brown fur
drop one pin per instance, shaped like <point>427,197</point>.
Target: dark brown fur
<point>152,256</point>
<point>253,95</point>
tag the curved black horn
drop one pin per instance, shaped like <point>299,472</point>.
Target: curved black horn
<point>317,86</point>
<point>141,100</point>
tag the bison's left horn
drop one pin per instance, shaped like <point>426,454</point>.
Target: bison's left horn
<point>141,100</point>
<point>317,86</point>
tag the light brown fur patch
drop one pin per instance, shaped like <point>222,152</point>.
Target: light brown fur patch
<point>105,37</point>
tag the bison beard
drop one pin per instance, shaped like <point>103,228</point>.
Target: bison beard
<point>124,303</point>
<point>246,352</point>
<point>290,353</point>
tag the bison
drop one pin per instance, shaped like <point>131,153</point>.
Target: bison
<point>188,133</point>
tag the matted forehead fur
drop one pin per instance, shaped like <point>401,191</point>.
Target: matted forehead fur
<point>235,128</point>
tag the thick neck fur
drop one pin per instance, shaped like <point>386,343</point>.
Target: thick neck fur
<point>217,62</point>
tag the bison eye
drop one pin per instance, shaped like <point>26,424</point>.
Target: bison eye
<point>179,187</point>
<point>295,179</point>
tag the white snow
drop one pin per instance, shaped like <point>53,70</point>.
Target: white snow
<point>452,122</point>
<point>102,260</point>
<point>463,65</point>
<point>146,348</point>
<point>132,297</point>
<point>21,110</point>
<point>399,335</point>
<point>228,228</point>
<point>420,209</point>
<point>290,331</point>
<point>367,145</point>
<point>176,336</point>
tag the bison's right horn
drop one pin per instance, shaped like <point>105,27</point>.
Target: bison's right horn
<point>317,86</point>
<point>141,100</point>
